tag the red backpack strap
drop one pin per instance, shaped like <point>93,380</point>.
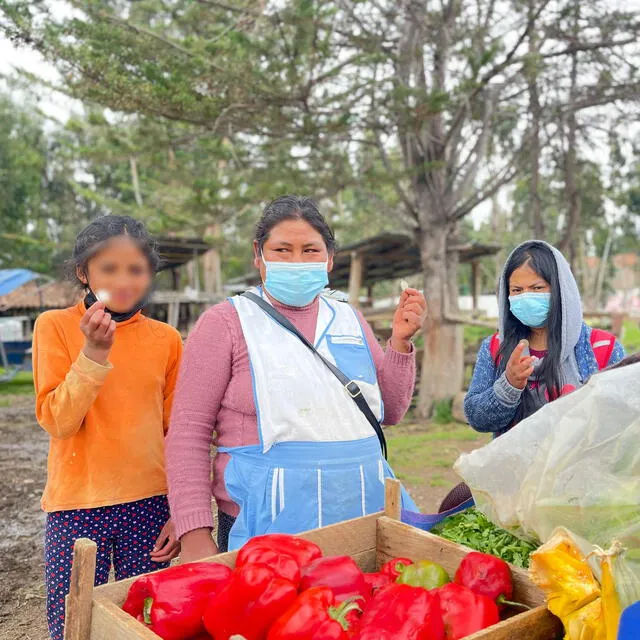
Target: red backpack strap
<point>603,344</point>
<point>494,347</point>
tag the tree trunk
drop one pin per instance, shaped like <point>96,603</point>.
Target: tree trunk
<point>135,182</point>
<point>212,262</point>
<point>604,264</point>
<point>536,222</point>
<point>573,201</point>
<point>442,364</point>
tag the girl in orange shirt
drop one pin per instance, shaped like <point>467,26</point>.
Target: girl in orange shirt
<point>104,377</point>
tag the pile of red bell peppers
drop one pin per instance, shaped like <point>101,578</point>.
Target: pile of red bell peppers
<point>282,588</point>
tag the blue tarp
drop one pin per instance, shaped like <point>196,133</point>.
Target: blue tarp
<point>11,279</point>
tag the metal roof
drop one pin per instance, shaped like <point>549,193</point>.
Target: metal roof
<point>11,279</point>
<point>176,252</point>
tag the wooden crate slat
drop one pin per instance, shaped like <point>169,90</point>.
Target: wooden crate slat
<point>79,601</point>
<point>537,624</point>
<point>110,622</point>
<point>356,538</point>
<point>399,539</point>
<point>348,538</point>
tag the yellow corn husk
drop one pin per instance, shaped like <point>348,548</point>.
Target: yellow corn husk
<point>561,570</point>
<point>611,607</point>
<point>587,623</point>
<point>620,586</point>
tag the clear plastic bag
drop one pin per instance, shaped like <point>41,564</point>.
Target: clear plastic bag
<point>575,463</point>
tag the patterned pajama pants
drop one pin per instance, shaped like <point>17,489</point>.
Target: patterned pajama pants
<point>125,535</point>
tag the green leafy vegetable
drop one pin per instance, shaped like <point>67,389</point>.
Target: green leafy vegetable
<point>473,529</point>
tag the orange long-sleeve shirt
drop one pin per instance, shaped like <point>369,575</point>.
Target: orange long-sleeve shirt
<point>107,423</point>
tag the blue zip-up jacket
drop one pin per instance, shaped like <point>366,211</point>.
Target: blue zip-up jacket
<point>491,402</point>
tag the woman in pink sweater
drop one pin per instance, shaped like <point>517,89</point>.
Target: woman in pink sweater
<point>296,449</point>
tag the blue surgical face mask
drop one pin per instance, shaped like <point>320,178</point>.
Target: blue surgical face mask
<point>295,284</point>
<point>532,309</point>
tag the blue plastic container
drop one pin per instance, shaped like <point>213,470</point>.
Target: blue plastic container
<point>630,623</point>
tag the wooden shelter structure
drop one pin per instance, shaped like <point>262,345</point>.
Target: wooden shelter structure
<point>387,256</point>
<point>181,306</point>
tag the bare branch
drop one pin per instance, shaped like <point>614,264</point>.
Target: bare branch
<point>497,69</point>
<point>479,149</point>
<point>404,198</point>
<point>504,176</point>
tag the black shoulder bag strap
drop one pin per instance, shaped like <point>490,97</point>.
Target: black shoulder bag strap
<point>351,386</point>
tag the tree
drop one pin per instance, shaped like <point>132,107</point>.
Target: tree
<point>36,201</point>
<point>308,90</point>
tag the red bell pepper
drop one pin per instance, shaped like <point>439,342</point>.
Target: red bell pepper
<point>488,576</point>
<point>376,581</point>
<point>465,612</point>
<point>171,602</point>
<point>254,598</point>
<point>315,615</point>
<point>399,611</point>
<point>340,573</point>
<point>395,567</point>
<point>285,554</point>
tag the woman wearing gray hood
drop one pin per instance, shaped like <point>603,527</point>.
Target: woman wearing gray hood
<point>543,349</point>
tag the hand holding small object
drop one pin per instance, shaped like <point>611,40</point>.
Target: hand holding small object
<point>102,295</point>
<point>519,367</point>
<point>99,331</point>
<point>408,319</point>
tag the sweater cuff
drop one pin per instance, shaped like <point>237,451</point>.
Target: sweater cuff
<point>402,359</point>
<point>192,521</point>
<point>90,369</point>
<point>506,393</point>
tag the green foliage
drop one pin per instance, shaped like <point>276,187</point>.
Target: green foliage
<point>473,335</point>
<point>631,336</point>
<point>442,411</point>
<point>473,529</point>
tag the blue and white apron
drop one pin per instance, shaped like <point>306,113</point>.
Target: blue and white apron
<point>319,460</point>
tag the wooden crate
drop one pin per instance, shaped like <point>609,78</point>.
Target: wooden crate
<point>94,613</point>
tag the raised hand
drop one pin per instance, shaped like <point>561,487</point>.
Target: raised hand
<point>408,319</point>
<point>519,367</point>
<point>99,331</point>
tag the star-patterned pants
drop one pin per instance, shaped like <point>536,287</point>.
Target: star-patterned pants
<point>125,535</point>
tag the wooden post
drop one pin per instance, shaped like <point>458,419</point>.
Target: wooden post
<point>392,498</point>
<point>355,279</point>
<point>475,283</point>
<point>173,315</point>
<point>77,624</point>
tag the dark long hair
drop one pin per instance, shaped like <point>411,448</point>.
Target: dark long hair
<point>294,208</point>
<point>541,259</point>
<point>96,235</point>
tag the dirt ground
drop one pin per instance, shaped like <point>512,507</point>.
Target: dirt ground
<point>421,454</point>
<point>23,454</point>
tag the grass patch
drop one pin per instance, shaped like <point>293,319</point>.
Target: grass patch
<point>442,411</point>
<point>438,481</point>
<point>21,385</point>
<point>410,453</point>
<point>407,477</point>
<point>631,336</point>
